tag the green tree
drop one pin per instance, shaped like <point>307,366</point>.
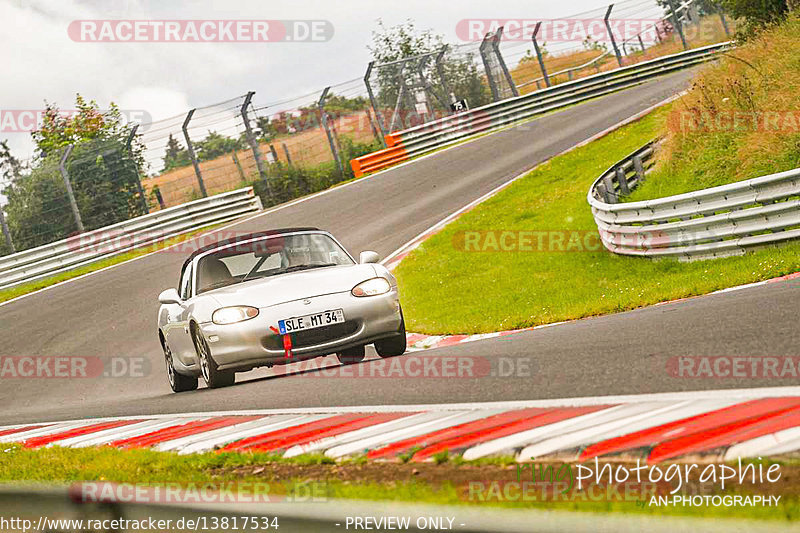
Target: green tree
<point>175,156</point>
<point>215,145</point>
<point>103,171</point>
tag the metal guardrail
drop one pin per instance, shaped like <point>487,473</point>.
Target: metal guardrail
<point>424,138</point>
<point>118,238</point>
<point>716,222</point>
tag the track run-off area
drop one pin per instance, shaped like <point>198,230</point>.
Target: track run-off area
<point>112,313</point>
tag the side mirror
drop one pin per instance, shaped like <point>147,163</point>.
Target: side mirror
<point>169,296</point>
<point>368,256</point>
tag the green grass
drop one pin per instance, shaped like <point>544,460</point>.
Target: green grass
<point>63,466</point>
<point>446,290</point>
<point>33,286</point>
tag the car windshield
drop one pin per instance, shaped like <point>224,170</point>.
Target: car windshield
<point>271,256</point>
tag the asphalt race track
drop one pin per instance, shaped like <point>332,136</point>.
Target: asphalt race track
<point>113,313</point>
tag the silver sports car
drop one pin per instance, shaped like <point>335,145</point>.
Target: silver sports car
<point>275,298</point>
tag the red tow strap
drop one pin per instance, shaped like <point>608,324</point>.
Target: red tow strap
<point>287,341</point>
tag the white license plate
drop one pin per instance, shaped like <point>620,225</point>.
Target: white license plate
<point>317,320</point>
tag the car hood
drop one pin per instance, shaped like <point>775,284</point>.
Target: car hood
<point>265,292</point>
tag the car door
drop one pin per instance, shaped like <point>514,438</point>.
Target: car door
<point>177,328</point>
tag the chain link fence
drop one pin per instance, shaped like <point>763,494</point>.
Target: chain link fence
<point>299,145</point>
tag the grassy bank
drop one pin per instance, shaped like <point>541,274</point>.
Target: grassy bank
<point>740,120</point>
<point>451,482</point>
<point>466,279</point>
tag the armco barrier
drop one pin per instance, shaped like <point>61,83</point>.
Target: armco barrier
<point>118,238</point>
<point>717,222</point>
<point>418,140</point>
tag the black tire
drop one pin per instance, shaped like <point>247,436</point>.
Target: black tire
<point>394,345</point>
<point>212,375</point>
<point>178,382</point>
<point>352,356</point>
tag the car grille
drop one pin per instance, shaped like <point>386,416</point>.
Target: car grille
<point>313,337</point>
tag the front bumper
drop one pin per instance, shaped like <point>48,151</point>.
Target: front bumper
<point>251,343</point>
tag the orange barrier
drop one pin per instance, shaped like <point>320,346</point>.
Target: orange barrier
<point>379,160</point>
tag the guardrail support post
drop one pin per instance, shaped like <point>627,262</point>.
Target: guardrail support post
<point>62,167</point>
<point>611,35</point>
<point>378,116</point>
<point>496,47</point>
<point>253,142</point>
<point>678,24</point>
<point>639,167</point>
<point>129,147</point>
<point>327,128</point>
<point>488,67</point>
<point>6,231</point>
<point>539,55</point>
<point>622,179</point>
<point>190,149</point>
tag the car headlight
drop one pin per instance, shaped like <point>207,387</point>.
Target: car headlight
<point>371,287</point>
<point>232,315</point>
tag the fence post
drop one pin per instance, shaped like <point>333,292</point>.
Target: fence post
<point>678,23</point>
<point>378,116</point>
<point>724,22</point>
<point>326,127</point>
<point>6,232</point>
<point>641,42</point>
<point>488,67</point>
<point>129,147</point>
<point>62,167</point>
<point>190,149</point>
<point>539,55</point>
<point>251,140</point>
<point>498,36</point>
<point>611,35</point>
<point>238,165</point>
<point>288,157</point>
<point>442,77</point>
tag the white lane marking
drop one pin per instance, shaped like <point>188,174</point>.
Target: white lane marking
<point>740,287</point>
<point>445,420</point>
<point>723,394</point>
<point>110,435</point>
<point>49,430</point>
<point>634,417</point>
<point>510,443</point>
<point>377,429</point>
<point>274,424</point>
<point>785,441</point>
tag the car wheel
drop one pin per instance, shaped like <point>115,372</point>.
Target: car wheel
<point>394,345</point>
<point>352,355</point>
<point>212,375</point>
<point>178,382</point>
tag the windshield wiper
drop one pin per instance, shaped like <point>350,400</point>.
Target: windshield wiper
<point>307,267</point>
